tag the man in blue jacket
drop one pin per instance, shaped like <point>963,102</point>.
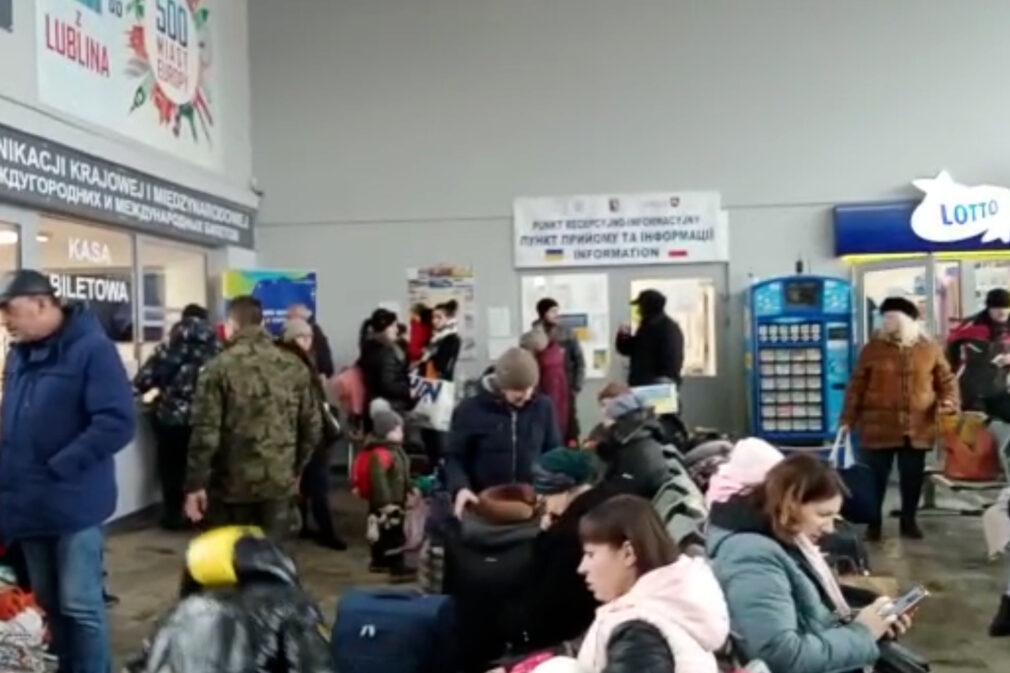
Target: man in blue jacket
<point>67,409</point>
<point>495,436</point>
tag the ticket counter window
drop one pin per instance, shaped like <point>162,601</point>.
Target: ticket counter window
<point>93,265</point>
<point>9,261</point>
<point>174,275</point>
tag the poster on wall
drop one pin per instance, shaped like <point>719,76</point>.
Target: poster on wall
<point>691,302</point>
<point>431,285</point>
<point>143,68</point>
<point>620,230</point>
<point>276,290</point>
<point>585,308</point>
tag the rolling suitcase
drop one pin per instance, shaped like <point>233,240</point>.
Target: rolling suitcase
<point>389,631</point>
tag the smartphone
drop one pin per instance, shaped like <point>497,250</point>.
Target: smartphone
<point>907,602</point>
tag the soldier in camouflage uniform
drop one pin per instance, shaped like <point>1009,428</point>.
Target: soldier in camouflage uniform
<point>255,425</point>
<point>172,370</point>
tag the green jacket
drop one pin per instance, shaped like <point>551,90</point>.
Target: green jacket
<point>389,484</point>
<point>255,422</point>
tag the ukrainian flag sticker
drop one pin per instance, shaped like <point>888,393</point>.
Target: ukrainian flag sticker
<point>554,254</point>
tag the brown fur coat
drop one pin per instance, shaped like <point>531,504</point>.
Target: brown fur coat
<point>895,392</point>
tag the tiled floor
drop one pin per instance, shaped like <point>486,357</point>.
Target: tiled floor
<point>144,571</point>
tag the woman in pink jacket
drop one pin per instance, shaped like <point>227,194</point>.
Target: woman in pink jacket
<point>662,611</point>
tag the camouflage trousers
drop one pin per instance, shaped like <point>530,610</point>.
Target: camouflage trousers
<point>277,518</point>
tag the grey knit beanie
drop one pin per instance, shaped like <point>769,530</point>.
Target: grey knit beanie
<point>384,421</point>
<point>516,369</point>
<point>535,340</point>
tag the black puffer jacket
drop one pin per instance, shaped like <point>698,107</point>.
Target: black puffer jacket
<point>638,647</point>
<point>384,368</point>
<point>265,623</point>
<point>632,448</point>
<point>656,349</point>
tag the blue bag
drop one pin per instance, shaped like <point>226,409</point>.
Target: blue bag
<point>863,503</point>
<point>390,631</point>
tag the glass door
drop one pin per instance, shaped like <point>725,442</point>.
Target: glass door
<point>903,278</point>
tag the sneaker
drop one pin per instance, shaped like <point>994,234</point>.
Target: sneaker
<point>910,530</point>
<point>1000,627</point>
<point>874,533</point>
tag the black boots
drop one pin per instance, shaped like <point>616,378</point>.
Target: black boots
<point>910,529</point>
<point>874,533</point>
<point>1000,626</point>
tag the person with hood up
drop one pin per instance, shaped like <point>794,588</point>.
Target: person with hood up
<point>630,445</point>
<point>556,606</point>
<point>241,608</point>
<point>550,358</point>
<point>785,603</point>
<point>383,362</point>
<point>662,611</point>
<point>984,338</point>
<point>172,370</point>
<point>314,487</point>
<point>900,385</point>
<point>549,320</point>
<point>495,436</point>
<point>749,462</point>
<point>656,349</point>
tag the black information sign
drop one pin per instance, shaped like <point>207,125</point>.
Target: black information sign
<point>6,15</point>
<point>59,179</point>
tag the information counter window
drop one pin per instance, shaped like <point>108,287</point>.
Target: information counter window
<point>174,275</point>
<point>691,302</point>
<point>93,265</point>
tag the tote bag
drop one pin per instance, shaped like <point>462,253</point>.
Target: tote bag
<point>863,503</point>
<point>434,402</point>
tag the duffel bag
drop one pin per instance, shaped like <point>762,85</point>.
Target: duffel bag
<point>389,631</point>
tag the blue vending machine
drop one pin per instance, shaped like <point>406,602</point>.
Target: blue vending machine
<point>799,354</point>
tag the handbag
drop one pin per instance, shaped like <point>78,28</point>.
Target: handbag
<point>896,658</point>
<point>434,402</point>
<point>863,502</point>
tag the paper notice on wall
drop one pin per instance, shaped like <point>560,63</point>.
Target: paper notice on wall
<point>499,322</point>
<point>584,306</point>
<point>433,285</point>
<point>620,229</point>
<point>691,302</point>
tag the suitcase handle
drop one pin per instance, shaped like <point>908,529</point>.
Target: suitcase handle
<point>399,594</point>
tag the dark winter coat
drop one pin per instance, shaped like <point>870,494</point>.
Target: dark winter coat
<point>638,647</point>
<point>440,355</point>
<point>493,443</point>
<point>266,623</point>
<point>557,606</point>
<point>173,369</point>
<point>632,448</point>
<point>575,362</point>
<point>321,352</point>
<point>67,410</point>
<point>779,611</point>
<point>384,368</point>
<point>331,431</point>
<point>973,344</point>
<point>655,350</point>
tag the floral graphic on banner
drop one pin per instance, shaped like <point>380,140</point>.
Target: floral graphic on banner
<point>171,51</point>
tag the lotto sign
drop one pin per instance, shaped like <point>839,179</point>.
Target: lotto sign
<point>143,68</point>
<point>620,230</point>
<point>950,211</point>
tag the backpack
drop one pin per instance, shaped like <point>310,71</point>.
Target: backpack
<point>361,475</point>
<point>349,390</point>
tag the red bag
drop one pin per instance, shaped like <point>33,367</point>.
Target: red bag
<point>361,478</point>
<point>970,449</point>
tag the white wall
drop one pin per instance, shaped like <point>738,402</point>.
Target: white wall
<point>20,107</point>
<point>419,121</point>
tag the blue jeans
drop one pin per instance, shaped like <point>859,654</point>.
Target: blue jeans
<point>66,576</point>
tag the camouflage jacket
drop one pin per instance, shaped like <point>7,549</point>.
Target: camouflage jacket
<point>255,419</point>
<point>173,368</point>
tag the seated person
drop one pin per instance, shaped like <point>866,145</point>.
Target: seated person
<point>496,435</point>
<point>556,606</point>
<point>662,611</point>
<point>241,609</point>
<point>630,444</point>
<point>785,604</point>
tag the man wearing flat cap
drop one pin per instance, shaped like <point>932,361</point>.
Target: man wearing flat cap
<point>67,409</point>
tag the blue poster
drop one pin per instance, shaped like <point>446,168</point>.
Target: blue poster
<point>276,290</point>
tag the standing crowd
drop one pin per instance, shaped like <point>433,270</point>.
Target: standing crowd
<point>611,578</point>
